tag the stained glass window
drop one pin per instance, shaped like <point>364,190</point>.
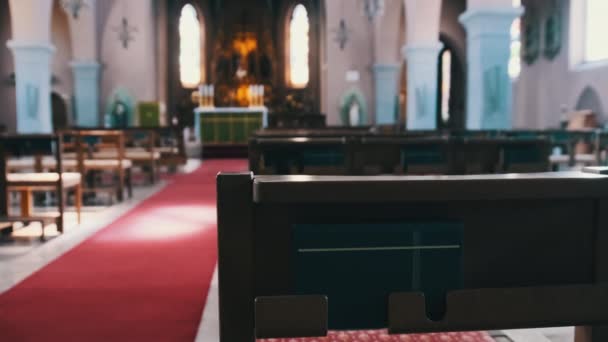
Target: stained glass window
<point>596,47</point>
<point>189,47</point>
<point>446,84</point>
<point>515,60</point>
<point>299,26</point>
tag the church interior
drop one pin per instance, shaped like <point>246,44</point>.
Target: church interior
<point>304,170</point>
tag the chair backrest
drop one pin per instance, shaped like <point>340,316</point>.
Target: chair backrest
<point>89,141</point>
<point>299,255</point>
<point>33,145</point>
<point>30,145</point>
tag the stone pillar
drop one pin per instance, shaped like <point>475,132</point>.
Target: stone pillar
<point>422,59</point>
<point>489,93</point>
<point>33,86</point>
<point>86,89</point>
<point>385,91</point>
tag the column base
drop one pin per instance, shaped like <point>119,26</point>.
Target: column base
<point>385,88</point>
<point>86,91</point>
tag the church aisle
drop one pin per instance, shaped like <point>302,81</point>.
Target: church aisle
<point>144,277</point>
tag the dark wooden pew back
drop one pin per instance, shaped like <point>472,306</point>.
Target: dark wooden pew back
<point>299,255</point>
<point>373,154</point>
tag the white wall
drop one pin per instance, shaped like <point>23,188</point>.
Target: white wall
<point>357,55</point>
<point>544,87</point>
<point>133,68</point>
<point>60,38</point>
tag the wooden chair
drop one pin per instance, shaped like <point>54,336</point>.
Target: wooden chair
<point>39,180</point>
<point>171,146</point>
<point>112,143</point>
<point>299,256</point>
<point>140,149</point>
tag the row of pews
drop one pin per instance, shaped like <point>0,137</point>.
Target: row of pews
<point>314,240</point>
<point>82,163</point>
<point>366,152</point>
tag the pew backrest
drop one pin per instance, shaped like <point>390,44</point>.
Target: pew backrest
<point>299,255</point>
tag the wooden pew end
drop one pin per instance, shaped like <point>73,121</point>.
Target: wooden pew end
<point>291,316</point>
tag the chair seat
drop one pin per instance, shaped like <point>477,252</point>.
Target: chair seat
<point>168,149</point>
<point>72,164</point>
<point>106,163</point>
<point>70,179</point>
<point>559,159</point>
<point>579,158</point>
<point>585,158</point>
<point>132,154</point>
<point>20,164</point>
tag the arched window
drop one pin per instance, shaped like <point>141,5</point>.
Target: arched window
<point>446,84</point>
<point>190,73</point>
<point>596,48</point>
<point>515,60</point>
<point>299,27</point>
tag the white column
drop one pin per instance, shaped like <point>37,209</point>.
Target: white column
<point>421,54</point>
<point>32,51</point>
<point>489,92</point>
<point>86,92</point>
<point>85,65</point>
<point>385,69</point>
<point>422,85</point>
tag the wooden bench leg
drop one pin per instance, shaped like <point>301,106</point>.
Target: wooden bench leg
<point>591,334</point>
<point>78,201</point>
<point>153,172</point>
<point>27,203</point>
<point>120,188</point>
<point>61,199</point>
<point>129,182</point>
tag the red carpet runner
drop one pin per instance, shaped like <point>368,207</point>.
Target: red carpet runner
<point>143,278</point>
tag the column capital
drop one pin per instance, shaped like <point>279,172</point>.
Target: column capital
<point>489,20</point>
<point>16,46</point>
<point>422,50</point>
<point>388,67</point>
<point>85,64</point>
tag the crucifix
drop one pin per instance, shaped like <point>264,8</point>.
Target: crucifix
<point>125,32</point>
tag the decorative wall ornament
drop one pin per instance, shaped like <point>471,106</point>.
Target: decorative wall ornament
<point>32,99</point>
<point>373,8</point>
<point>74,6</point>
<point>120,108</point>
<point>353,107</point>
<point>553,29</point>
<point>530,35</point>
<point>493,83</point>
<point>125,32</point>
<point>342,34</point>
<point>421,101</point>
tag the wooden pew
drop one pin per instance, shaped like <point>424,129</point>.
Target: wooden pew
<point>296,120</point>
<point>41,180</point>
<point>319,155</point>
<point>90,151</point>
<point>88,142</point>
<point>301,255</point>
<point>418,153</point>
<point>171,146</point>
<point>140,148</point>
